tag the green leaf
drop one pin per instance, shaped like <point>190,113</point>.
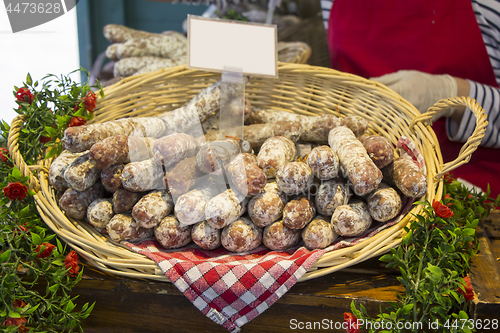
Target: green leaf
<point>386,257</point>
<point>407,308</point>
<point>36,239</point>
<point>54,288</point>
<point>16,173</point>
<point>28,79</point>
<point>29,310</point>
<point>14,314</point>
<point>4,257</point>
<point>469,232</point>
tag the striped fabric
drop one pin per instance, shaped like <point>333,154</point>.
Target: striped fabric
<point>488,17</point>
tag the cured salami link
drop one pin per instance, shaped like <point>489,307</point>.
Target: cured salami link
<point>246,175</point>
<point>182,177</point>
<point>116,33</point>
<point>121,149</point>
<point>81,138</point>
<point>100,212</point>
<point>224,209</point>
<point>216,155</point>
<point>81,173</point>
<point>123,227</point>
<point>267,207</point>
<point>274,153</point>
<point>294,178</point>
<point>354,161</point>
<point>330,195</point>
<point>324,163</point>
<point>314,128</point>
<point>240,236</point>
<point>152,208</point>
<point>124,200</point>
<point>319,234</point>
<point>58,167</point>
<point>172,234</point>
<point>406,175</point>
<point>190,207</point>
<point>198,109</point>
<point>278,237</point>
<point>384,203</point>
<point>352,219</point>
<point>379,148</point>
<point>110,177</point>
<point>257,134</point>
<point>75,203</point>
<point>173,148</point>
<point>155,45</point>
<point>298,212</point>
<point>205,236</point>
<point>142,176</point>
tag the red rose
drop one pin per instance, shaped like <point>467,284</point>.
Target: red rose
<point>350,323</point>
<point>24,95</point>
<point>441,209</point>
<point>44,250</point>
<point>89,101</point>
<point>468,290</point>
<point>19,304</point>
<point>448,178</point>
<point>4,154</point>
<point>15,191</point>
<point>71,263</point>
<point>16,322</point>
<point>77,121</point>
<point>44,139</point>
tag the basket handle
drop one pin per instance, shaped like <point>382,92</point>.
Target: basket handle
<point>472,142</point>
<point>17,158</point>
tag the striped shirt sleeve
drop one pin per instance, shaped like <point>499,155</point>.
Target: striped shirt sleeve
<point>326,6</point>
<point>488,17</point>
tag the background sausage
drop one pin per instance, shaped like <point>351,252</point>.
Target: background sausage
<point>172,234</point>
<point>384,203</point>
<point>294,178</point>
<point>277,236</point>
<point>319,233</point>
<point>355,163</point>
<point>274,153</point>
<point>240,236</point>
<point>152,208</point>
<point>352,219</point>
<point>267,207</point>
<point>298,212</point>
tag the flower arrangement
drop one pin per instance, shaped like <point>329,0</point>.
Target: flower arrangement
<point>433,260</point>
<point>30,253</point>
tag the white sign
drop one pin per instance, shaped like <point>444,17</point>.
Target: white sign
<point>215,45</point>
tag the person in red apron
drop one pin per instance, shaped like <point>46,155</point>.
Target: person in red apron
<point>425,50</point>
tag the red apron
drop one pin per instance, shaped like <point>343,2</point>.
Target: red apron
<point>373,38</point>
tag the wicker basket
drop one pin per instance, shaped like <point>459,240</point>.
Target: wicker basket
<point>300,88</point>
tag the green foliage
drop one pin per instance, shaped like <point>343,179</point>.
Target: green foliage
<point>55,101</point>
<point>41,283</point>
<point>433,258</point>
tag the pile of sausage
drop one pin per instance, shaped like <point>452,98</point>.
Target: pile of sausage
<point>145,177</point>
<point>135,51</point>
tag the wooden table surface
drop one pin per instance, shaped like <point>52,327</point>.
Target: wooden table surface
<point>132,305</point>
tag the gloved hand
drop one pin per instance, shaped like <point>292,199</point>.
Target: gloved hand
<point>421,89</point>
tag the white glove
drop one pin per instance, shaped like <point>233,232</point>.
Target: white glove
<point>421,89</point>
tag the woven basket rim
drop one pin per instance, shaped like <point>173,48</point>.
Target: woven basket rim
<point>116,259</point>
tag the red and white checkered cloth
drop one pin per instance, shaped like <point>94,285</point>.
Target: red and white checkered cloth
<point>231,288</point>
